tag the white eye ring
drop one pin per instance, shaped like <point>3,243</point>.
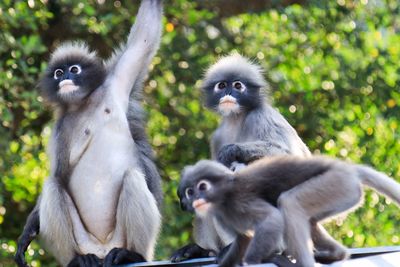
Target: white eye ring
<point>220,86</point>
<point>75,69</point>
<point>189,192</point>
<point>58,73</point>
<point>238,85</point>
<point>204,185</point>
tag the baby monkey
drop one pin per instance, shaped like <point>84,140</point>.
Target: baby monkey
<point>275,203</point>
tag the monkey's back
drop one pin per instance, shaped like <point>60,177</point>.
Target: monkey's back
<point>269,177</point>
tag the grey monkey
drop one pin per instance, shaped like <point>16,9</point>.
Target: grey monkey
<point>251,128</point>
<point>100,204</point>
<point>273,200</point>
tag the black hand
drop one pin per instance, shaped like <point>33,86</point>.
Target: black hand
<point>229,153</point>
<point>19,258</point>
<point>31,230</point>
<point>191,251</point>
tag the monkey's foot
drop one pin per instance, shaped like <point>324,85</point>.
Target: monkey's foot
<point>282,261</point>
<point>223,252</point>
<point>88,260</point>
<point>326,256</point>
<point>191,251</point>
<point>122,255</point>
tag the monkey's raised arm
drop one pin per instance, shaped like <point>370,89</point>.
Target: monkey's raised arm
<point>143,41</point>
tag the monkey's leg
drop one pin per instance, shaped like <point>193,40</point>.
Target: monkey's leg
<point>138,221</point>
<point>320,197</point>
<point>31,230</point>
<point>268,237</point>
<point>56,228</point>
<point>235,252</point>
<point>328,249</point>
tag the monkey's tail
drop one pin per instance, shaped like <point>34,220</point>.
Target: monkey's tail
<point>380,181</point>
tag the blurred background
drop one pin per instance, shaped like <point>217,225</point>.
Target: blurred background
<point>333,66</point>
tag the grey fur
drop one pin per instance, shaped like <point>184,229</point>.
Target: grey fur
<point>101,159</point>
<point>244,136</point>
<point>275,197</point>
<point>260,132</point>
<point>250,127</point>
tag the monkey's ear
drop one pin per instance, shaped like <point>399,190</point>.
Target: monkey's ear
<point>181,201</point>
<point>183,206</point>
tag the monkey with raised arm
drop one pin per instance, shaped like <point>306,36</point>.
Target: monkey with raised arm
<point>100,204</point>
<point>251,128</point>
<point>274,199</point>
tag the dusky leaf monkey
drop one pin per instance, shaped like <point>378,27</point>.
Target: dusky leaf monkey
<point>251,128</point>
<point>100,204</point>
<point>277,199</point>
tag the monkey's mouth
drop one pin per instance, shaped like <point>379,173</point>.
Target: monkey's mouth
<point>201,206</point>
<point>67,86</point>
<point>227,105</point>
<point>227,101</point>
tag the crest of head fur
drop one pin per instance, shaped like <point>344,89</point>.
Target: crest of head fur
<point>77,49</point>
<point>237,64</point>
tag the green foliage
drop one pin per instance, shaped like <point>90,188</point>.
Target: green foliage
<point>333,68</point>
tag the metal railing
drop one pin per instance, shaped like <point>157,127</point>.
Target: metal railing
<point>356,253</point>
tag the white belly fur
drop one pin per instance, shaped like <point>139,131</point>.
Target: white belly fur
<point>96,182</point>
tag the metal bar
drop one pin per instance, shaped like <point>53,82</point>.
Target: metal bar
<point>364,252</point>
<point>187,263</point>
<point>211,262</point>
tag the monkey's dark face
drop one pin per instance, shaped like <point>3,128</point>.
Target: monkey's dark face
<point>71,79</point>
<point>198,197</point>
<point>203,185</point>
<point>232,94</point>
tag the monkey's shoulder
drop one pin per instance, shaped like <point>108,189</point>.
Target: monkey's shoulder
<point>266,119</point>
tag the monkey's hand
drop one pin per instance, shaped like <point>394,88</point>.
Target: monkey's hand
<point>191,251</point>
<point>31,230</point>
<point>236,166</point>
<point>19,258</point>
<point>230,153</point>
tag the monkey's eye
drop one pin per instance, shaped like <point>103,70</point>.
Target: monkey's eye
<point>221,85</point>
<point>203,185</point>
<point>189,193</point>
<point>239,86</point>
<point>58,73</point>
<point>75,69</point>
